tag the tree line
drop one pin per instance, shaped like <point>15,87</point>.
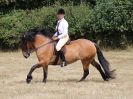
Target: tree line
<point>108,22</point>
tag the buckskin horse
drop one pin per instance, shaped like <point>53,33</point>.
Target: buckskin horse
<point>40,41</point>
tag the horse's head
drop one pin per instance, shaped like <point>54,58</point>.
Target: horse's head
<point>27,40</point>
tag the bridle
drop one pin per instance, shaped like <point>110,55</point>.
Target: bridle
<point>29,51</point>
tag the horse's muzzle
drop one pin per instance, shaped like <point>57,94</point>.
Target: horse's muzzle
<point>26,54</point>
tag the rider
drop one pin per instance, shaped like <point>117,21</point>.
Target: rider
<point>61,35</point>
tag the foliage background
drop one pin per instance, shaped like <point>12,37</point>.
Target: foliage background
<point>109,22</point>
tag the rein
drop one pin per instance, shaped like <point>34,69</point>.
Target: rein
<point>35,49</point>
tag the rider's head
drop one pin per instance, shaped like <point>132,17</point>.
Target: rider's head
<point>60,13</point>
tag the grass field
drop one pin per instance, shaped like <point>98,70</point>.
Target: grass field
<point>62,82</point>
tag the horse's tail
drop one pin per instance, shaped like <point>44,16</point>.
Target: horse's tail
<point>104,63</point>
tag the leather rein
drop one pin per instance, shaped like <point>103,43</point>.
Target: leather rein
<point>35,49</point>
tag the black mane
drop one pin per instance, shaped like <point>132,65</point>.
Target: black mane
<point>30,35</point>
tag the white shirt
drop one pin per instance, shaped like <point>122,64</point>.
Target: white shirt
<point>62,28</point>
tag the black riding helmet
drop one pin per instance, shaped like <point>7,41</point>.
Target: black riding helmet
<point>61,11</point>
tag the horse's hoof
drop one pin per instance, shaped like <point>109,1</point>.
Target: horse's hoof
<point>29,78</point>
<point>106,79</point>
<point>81,80</point>
<point>44,81</point>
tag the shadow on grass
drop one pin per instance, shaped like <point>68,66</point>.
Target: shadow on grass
<point>65,81</point>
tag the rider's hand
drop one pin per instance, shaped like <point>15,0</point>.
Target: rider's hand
<point>55,38</point>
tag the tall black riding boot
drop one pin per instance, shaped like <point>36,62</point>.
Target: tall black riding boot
<point>62,57</point>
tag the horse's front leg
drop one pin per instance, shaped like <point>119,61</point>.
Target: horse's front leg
<point>45,73</point>
<point>29,76</point>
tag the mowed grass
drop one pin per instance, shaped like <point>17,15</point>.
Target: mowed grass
<point>62,82</point>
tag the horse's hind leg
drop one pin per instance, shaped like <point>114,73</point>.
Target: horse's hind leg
<point>98,67</point>
<point>86,64</point>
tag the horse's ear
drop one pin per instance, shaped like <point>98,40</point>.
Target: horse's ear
<point>21,37</point>
<point>30,36</point>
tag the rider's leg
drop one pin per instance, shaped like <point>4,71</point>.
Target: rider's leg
<point>59,45</point>
<point>62,57</point>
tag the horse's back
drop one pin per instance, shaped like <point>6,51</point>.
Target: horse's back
<point>85,41</point>
<point>82,43</point>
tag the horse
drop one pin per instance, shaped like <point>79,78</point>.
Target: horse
<point>40,41</point>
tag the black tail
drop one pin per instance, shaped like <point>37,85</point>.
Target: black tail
<point>104,63</point>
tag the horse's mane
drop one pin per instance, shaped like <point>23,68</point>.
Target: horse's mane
<point>30,34</point>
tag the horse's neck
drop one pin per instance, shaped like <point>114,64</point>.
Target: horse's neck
<point>40,40</point>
